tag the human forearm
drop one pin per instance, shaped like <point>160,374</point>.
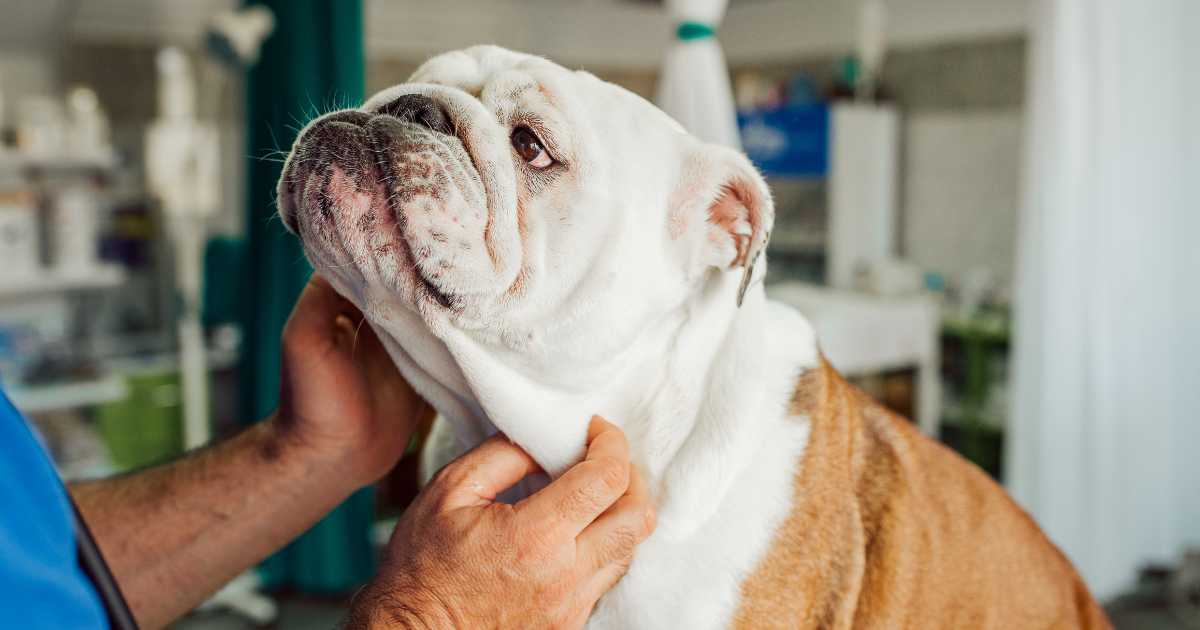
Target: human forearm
<point>175,533</point>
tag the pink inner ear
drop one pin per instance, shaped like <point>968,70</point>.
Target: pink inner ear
<point>730,213</point>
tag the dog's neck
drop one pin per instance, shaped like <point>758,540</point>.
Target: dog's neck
<point>691,395</point>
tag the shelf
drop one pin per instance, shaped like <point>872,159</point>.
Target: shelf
<point>14,162</point>
<point>50,281</point>
<point>986,327</point>
<point>797,242</point>
<point>43,398</point>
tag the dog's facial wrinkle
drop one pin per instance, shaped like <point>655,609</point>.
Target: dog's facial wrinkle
<point>417,163</point>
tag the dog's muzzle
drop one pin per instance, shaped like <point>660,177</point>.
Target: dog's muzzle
<point>356,141</point>
<point>394,193</point>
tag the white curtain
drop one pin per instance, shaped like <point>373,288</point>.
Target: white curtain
<point>1104,440</point>
<point>694,85</point>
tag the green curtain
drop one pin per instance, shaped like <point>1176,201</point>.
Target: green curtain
<point>312,63</point>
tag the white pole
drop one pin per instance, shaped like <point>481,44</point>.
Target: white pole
<point>193,364</point>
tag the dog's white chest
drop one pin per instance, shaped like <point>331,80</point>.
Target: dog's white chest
<point>696,583</point>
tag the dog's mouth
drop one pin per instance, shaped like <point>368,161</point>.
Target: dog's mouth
<point>378,199</point>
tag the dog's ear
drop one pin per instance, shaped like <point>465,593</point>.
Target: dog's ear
<point>723,209</point>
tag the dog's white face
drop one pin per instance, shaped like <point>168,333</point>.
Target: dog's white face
<point>548,216</point>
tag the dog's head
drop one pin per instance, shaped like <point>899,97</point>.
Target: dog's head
<point>541,212</point>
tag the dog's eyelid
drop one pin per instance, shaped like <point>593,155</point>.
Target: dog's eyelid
<point>543,132</point>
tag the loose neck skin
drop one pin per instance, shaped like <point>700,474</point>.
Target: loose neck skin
<point>688,393</point>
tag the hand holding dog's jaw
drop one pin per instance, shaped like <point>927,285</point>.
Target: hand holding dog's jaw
<point>342,400</point>
<point>459,560</point>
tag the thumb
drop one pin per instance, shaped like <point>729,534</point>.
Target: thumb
<point>487,470</point>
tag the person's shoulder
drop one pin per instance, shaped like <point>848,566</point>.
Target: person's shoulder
<point>41,584</point>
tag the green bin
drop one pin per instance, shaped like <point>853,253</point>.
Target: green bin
<point>147,426</point>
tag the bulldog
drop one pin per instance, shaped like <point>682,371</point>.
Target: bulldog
<point>534,246</point>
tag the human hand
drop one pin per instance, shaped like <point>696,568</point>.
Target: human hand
<point>458,559</point>
<point>341,396</point>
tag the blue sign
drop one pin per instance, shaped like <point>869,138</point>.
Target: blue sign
<point>790,141</point>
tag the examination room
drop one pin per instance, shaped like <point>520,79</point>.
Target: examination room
<point>599,313</point>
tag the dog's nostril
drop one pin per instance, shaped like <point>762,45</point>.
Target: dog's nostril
<point>419,109</point>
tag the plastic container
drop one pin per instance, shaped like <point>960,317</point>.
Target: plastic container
<point>146,427</point>
<point>74,227</point>
<point>20,245</point>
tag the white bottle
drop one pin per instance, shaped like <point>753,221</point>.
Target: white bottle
<point>88,137</point>
<point>19,244</point>
<point>74,229</point>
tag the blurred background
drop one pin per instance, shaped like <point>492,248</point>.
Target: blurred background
<point>987,208</point>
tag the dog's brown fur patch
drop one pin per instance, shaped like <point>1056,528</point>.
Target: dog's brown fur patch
<point>890,529</point>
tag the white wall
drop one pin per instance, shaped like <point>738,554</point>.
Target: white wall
<point>606,33</point>
<point>23,72</point>
<point>627,34</point>
<point>768,31</point>
<point>610,34</point>
<point>961,190</point>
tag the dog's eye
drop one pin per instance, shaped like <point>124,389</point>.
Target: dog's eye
<point>530,148</point>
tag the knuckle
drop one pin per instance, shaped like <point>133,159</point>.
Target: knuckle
<point>621,544</point>
<point>453,475</point>
<point>443,476</point>
<point>577,502</point>
<point>439,499</point>
<point>649,522</point>
<point>612,473</point>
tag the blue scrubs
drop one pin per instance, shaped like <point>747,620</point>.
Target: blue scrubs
<point>41,583</point>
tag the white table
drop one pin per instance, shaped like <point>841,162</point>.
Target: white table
<point>864,334</point>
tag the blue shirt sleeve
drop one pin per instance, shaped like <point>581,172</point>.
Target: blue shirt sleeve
<point>41,582</point>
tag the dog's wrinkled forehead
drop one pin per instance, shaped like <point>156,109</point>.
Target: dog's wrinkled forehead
<point>471,69</point>
<point>479,68</point>
<point>475,69</point>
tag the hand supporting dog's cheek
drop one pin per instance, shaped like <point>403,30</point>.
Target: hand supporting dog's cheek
<point>342,399</point>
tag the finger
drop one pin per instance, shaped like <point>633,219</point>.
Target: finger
<point>318,306</point>
<point>482,473</point>
<point>609,544</point>
<point>321,295</point>
<point>320,298</point>
<point>611,539</point>
<point>368,347</point>
<point>574,500</point>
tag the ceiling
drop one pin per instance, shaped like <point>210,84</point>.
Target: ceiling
<point>27,24</point>
<point>610,33</point>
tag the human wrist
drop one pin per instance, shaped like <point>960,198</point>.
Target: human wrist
<point>281,437</point>
<point>394,604</point>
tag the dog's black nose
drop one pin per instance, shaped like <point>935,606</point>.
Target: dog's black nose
<point>419,109</point>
